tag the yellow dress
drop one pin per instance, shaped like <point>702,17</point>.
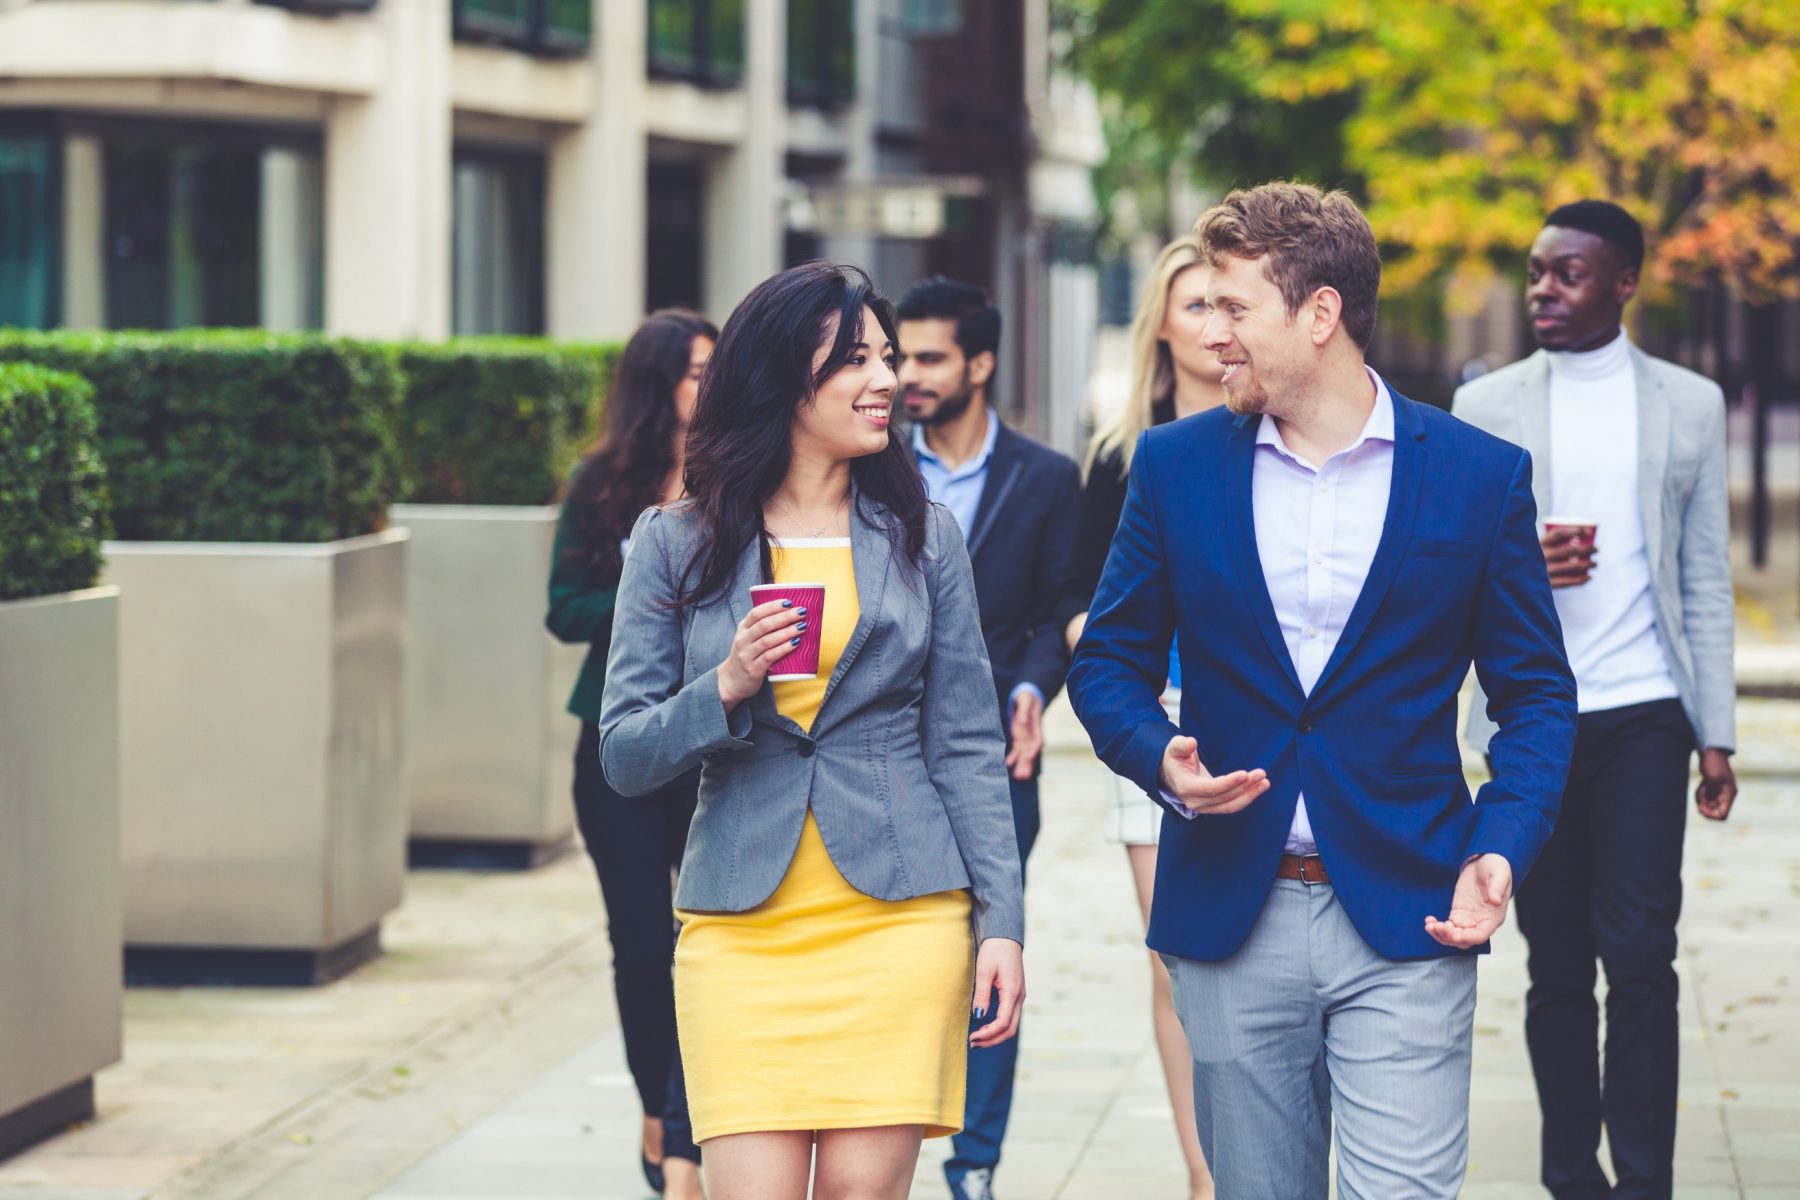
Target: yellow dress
<point>824,1008</point>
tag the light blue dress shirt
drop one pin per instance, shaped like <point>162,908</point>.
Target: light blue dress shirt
<point>959,490</point>
<point>1317,530</point>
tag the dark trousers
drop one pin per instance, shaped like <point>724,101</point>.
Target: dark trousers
<point>990,1088</point>
<point>636,844</point>
<point>1608,887</point>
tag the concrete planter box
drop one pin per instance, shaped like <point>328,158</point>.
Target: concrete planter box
<point>60,989</point>
<point>489,743</point>
<point>263,738</point>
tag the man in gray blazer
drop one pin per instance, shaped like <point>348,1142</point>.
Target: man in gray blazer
<point>1630,474</point>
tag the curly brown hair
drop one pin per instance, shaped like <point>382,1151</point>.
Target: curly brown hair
<point>1311,240</point>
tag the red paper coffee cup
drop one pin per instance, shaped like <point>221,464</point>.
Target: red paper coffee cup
<point>1585,530</point>
<point>802,662</point>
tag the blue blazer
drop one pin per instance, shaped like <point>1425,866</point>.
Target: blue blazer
<point>1457,577</point>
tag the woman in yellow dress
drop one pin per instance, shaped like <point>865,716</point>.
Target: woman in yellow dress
<point>851,882</point>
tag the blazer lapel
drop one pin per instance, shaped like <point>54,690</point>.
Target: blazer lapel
<point>1396,532</point>
<point>1654,428</point>
<point>872,552</point>
<point>1003,473</point>
<point>1240,533</point>
<point>1534,427</point>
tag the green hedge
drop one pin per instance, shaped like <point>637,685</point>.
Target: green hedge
<point>498,420</point>
<point>237,435</point>
<point>52,483</point>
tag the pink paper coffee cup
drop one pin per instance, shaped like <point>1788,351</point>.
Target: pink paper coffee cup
<point>802,662</point>
<point>1586,530</point>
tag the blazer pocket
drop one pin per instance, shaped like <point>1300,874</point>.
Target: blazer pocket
<point>1427,772</point>
<point>1441,548</point>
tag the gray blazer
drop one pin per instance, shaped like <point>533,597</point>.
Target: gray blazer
<point>904,768</point>
<point>1687,524</point>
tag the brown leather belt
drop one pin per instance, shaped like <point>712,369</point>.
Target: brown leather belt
<point>1309,869</point>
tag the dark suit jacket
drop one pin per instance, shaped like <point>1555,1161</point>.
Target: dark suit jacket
<point>1023,549</point>
<point>1458,577</point>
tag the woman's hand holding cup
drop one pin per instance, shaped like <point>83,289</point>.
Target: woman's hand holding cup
<point>766,633</point>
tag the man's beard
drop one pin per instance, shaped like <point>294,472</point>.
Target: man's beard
<point>1249,400</point>
<point>949,408</point>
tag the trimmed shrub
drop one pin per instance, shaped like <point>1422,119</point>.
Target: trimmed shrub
<point>499,420</point>
<point>52,483</point>
<point>237,435</point>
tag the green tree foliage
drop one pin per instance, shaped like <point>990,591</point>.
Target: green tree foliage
<point>1460,122</point>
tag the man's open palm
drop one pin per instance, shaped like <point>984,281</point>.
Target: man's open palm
<point>1188,780</point>
<point>1478,908</point>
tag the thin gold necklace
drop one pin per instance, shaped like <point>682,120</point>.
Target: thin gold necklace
<point>801,525</point>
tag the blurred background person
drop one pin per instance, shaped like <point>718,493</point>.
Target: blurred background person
<point>1015,502</point>
<point>1631,460</point>
<point>1172,375</point>
<point>635,842</point>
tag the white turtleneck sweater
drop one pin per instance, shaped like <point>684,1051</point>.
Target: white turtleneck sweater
<point>1609,623</point>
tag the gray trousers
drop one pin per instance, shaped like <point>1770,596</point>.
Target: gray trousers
<point>1305,1024</point>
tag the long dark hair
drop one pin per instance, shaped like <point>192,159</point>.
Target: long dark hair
<point>623,474</point>
<point>741,442</point>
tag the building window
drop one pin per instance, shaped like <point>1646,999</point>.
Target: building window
<point>675,235</point>
<point>507,21</point>
<point>567,26</point>
<point>540,26</point>
<point>182,234</point>
<point>932,18</point>
<point>29,250</point>
<point>497,251</point>
<point>698,40</point>
<point>323,6</point>
<point>821,65</point>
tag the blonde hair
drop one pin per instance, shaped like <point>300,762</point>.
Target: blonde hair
<point>1152,366</point>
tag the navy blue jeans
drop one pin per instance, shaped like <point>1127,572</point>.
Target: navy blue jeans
<point>636,844</point>
<point>989,1102</point>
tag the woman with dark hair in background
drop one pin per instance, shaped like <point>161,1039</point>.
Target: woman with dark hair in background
<point>853,824</point>
<point>635,843</point>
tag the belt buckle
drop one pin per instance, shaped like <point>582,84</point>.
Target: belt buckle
<point>1313,858</point>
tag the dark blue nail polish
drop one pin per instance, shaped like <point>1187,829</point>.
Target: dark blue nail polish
<point>789,604</point>
<point>795,642</point>
<point>801,627</point>
<point>981,1014</point>
<point>803,612</point>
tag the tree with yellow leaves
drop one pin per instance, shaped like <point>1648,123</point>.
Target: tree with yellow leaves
<point>1463,121</point>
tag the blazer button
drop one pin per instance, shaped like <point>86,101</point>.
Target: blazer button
<point>806,749</point>
<point>1306,725</point>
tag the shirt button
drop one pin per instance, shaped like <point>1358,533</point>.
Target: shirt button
<point>1323,486</point>
<point>1312,631</point>
<point>1318,560</point>
<point>807,749</point>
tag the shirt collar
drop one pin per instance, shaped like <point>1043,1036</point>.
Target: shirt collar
<point>979,462</point>
<point>1378,428</point>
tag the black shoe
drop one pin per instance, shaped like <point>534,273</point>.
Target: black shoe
<point>653,1173</point>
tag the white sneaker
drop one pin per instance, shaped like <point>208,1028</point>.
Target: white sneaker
<point>976,1185</point>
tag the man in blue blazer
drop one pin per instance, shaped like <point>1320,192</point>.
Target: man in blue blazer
<point>1333,557</point>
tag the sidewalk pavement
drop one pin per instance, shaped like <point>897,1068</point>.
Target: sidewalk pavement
<point>480,1056</point>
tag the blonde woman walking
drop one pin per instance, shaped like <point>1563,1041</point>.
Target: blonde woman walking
<point>1173,375</point>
